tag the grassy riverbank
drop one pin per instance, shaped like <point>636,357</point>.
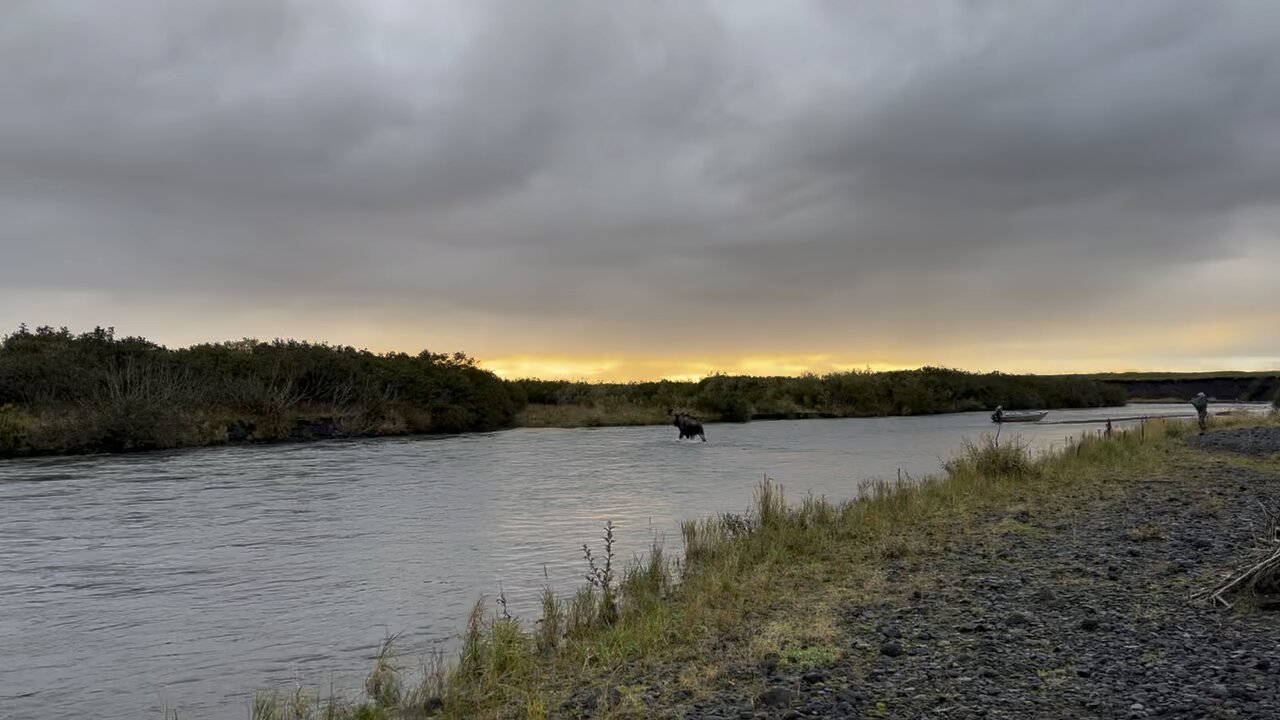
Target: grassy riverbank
<point>762,589</point>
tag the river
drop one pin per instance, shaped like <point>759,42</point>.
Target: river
<point>186,579</point>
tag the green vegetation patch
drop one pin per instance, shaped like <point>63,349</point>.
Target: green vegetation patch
<point>813,656</point>
<point>737,398</point>
<point>95,392</point>
<point>1013,526</point>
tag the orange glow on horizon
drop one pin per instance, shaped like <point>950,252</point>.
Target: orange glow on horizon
<point>1187,349</point>
<point>1119,341</point>
<point>620,369</point>
<point>640,369</point>
<point>1197,345</point>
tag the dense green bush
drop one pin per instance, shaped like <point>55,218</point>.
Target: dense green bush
<point>96,392</point>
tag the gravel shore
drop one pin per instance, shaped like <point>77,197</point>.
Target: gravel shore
<point>1255,441</point>
<point>1081,610</point>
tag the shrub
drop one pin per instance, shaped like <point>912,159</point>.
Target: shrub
<point>15,427</point>
<point>131,394</point>
<point>991,459</point>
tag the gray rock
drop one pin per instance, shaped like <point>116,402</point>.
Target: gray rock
<point>1243,693</point>
<point>774,697</point>
<point>890,631</point>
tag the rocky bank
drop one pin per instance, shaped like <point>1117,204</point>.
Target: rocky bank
<point>1082,610</point>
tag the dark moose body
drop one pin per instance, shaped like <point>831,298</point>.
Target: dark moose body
<point>689,426</point>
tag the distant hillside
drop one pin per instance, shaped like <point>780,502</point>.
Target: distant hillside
<point>1209,374</point>
<point>1224,385</point>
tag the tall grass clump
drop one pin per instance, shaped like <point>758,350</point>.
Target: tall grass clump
<point>600,577</point>
<point>989,458</point>
<point>382,684</point>
<point>551,626</point>
<point>770,506</point>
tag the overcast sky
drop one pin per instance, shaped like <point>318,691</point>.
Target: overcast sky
<point>635,189</point>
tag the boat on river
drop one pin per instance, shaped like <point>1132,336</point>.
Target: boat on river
<point>1008,417</point>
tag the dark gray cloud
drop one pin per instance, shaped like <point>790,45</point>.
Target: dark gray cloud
<point>718,176</point>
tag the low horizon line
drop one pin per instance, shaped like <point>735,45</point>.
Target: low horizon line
<point>514,367</point>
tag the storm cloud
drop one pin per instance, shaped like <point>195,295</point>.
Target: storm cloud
<point>1038,185</point>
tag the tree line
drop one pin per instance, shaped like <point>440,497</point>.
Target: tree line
<point>62,392</point>
<point>929,390</point>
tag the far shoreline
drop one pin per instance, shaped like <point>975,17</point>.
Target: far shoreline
<point>622,422</point>
<point>68,394</point>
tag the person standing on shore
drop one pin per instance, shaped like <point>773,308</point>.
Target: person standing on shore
<point>1201,404</point>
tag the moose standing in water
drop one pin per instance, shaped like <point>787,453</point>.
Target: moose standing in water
<point>689,426</point>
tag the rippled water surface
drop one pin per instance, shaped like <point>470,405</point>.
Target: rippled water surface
<point>186,579</point>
